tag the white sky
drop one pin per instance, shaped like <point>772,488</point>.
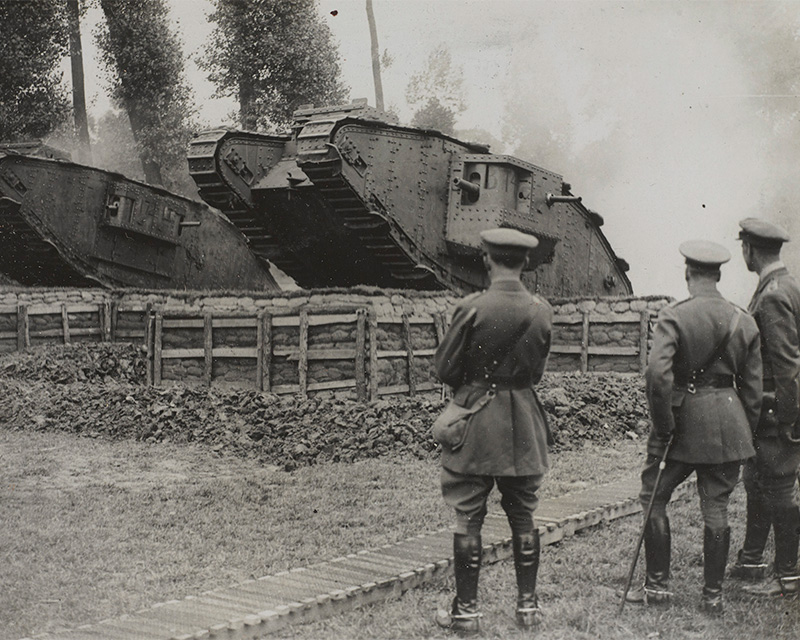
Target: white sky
<point>691,153</point>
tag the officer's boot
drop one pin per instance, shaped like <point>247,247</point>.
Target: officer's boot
<point>526,565</point>
<point>749,564</point>
<point>716,544</point>
<point>786,522</point>
<point>463,616</point>
<point>657,549</point>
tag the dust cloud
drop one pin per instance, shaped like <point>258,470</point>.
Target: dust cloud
<point>672,120</point>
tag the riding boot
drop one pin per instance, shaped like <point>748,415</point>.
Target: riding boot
<point>716,544</point>
<point>463,615</point>
<point>749,564</point>
<point>526,548</point>
<point>786,522</point>
<point>657,551</point>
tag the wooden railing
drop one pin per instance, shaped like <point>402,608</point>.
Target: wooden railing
<point>67,322</point>
<point>26,325</point>
<point>584,349</point>
<point>365,351</point>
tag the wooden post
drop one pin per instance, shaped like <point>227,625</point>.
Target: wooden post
<point>373,354</point>
<point>260,350</point>
<point>412,374</point>
<point>644,334</point>
<point>439,323</point>
<point>585,343</point>
<point>23,331</point>
<point>148,341</point>
<point>114,319</point>
<point>208,349</point>
<point>105,321</point>
<point>65,322</point>
<point>361,345</point>
<point>302,364</point>
<point>159,327</point>
<point>148,321</point>
<point>266,358</point>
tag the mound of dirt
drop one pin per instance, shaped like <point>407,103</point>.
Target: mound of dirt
<point>97,390</point>
<point>77,362</point>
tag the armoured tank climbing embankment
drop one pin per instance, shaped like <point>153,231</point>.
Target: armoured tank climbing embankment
<point>350,197</point>
<point>65,224</point>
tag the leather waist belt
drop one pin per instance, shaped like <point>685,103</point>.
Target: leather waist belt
<point>500,385</point>
<point>706,381</point>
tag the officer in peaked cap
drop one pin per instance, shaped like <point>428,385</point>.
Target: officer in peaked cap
<point>509,238</point>
<point>495,350</point>
<point>770,477</point>
<point>762,233</point>
<point>704,393</point>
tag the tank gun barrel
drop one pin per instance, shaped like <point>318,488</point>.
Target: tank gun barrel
<point>466,185</point>
<point>552,199</point>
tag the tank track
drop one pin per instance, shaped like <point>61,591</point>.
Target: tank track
<point>372,228</point>
<point>215,190</point>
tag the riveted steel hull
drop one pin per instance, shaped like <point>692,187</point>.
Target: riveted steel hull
<point>350,198</point>
<point>64,224</point>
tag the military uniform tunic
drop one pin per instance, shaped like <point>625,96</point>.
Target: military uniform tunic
<point>776,308</point>
<point>508,437</point>
<point>715,425</point>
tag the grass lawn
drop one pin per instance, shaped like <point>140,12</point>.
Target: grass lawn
<point>92,529</point>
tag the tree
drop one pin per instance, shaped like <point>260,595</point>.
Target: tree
<point>376,60</point>
<point>33,40</point>
<point>78,94</point>
<point>437,92</point>
<point>144,62</point>
<point>273,56</point>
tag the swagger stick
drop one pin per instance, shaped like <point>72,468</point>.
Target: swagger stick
<point>661,466</point>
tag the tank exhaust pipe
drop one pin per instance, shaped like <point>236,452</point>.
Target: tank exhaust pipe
<point>552,198</point>
<point>469,187</point>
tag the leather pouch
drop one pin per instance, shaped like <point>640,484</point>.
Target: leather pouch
<point>451,427</point>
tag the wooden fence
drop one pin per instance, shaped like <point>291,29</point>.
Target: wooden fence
<point>25,325</point>
<point>309,349</point>
<point>364,350</point>
<point>637,353</point>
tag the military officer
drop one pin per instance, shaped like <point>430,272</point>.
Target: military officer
<point>703,383</point>
<point>770,477</point>
<point>498,341</point>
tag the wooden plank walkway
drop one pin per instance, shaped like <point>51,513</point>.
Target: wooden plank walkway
<point>256,607</point>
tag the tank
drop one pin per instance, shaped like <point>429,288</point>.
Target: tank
<point>65,224</point>
<point>350,197</point>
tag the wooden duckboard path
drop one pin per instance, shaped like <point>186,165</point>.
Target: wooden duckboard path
<point>254,608</point>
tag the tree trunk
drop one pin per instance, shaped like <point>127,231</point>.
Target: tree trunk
<point>78,94</point>
<point>376,61</point>
<point>151,169</point>
<point>247,114</point>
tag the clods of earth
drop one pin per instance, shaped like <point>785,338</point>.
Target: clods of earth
<point>99,390</point>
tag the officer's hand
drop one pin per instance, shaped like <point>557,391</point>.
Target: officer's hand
<point>787,434</point>
<point>661,440</point>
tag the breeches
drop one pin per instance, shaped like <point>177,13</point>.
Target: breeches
<point>771,475</point>
<point>467,494</point>
<point>715,483</point>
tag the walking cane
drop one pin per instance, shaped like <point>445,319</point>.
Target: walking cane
<point>661,466</point>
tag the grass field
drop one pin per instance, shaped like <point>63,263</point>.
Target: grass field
<point>92,529</point>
